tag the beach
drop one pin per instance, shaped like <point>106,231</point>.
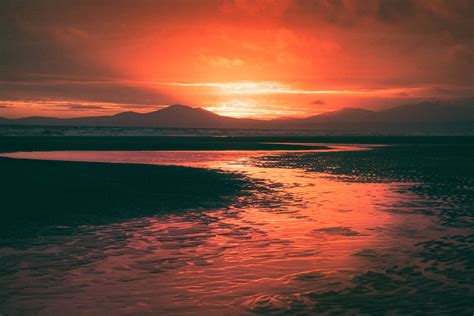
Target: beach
<point>321,225</point>
<point>237,157</point>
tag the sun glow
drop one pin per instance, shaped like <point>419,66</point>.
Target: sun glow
<point>241,58</point>
<point>267,87</point>
<point>273,99</point>
<point>249,108</point>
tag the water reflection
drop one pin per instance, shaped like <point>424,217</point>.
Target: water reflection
<point>304,233</point>
<point>181,158</point>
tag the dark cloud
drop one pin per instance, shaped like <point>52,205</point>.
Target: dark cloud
<point>62,37</point>
<point>318,102</point>
<point>395,10</point>
<point>84,107</point>
<point>3,106</point>
<point>427,13</point>
<point>68,43</point>
<point>107,92</point>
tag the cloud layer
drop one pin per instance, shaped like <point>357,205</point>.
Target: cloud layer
<point>120,52</point>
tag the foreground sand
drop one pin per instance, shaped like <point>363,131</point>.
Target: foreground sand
<point>42,143</point>
<point>382,231</point>
<point>37,195</point>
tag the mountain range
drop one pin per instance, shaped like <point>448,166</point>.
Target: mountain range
<point>435,115</point>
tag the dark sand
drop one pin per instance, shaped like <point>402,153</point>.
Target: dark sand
<point>439,276</point>
<point>94,193</point>
<point>442,172</point>
<point>11,144</point>
<point>39,195</point>
<point>43,143</point>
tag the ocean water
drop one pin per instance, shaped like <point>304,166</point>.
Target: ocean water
<point>7,130</point>
<point>138,131</point>
<point>312,238</point>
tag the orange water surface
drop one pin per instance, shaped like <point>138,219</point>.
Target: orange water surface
<point>301,233</point>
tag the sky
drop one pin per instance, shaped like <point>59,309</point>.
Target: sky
<point>242,58</point>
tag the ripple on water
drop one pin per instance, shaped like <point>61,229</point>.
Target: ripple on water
<point>340,231</point>
<point>307,243</point>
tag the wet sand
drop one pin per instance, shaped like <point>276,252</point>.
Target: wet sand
<point>42,143</point>
<point>39,196</point>
<point>48,143</point>
<point>387,230</point>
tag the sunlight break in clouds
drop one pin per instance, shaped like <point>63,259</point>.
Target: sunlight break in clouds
<point>278,88</point>
<point>278,56</point>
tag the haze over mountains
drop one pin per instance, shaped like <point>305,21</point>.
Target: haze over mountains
<point>434,115</point>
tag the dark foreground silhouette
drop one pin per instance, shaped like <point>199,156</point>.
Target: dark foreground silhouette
<point>38,196</point>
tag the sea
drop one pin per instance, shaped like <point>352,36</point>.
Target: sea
<point>16,130</point>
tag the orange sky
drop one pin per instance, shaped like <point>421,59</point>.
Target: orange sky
<point>242,58</point>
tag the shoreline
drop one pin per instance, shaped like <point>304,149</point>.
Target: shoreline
<point>132,143</point>
<point>39,195</point>
<point>139,143</point>
<point>430,219</point>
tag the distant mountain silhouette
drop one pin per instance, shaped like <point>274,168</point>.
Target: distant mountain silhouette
<point>344,115</point>
<point>419,115</point>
